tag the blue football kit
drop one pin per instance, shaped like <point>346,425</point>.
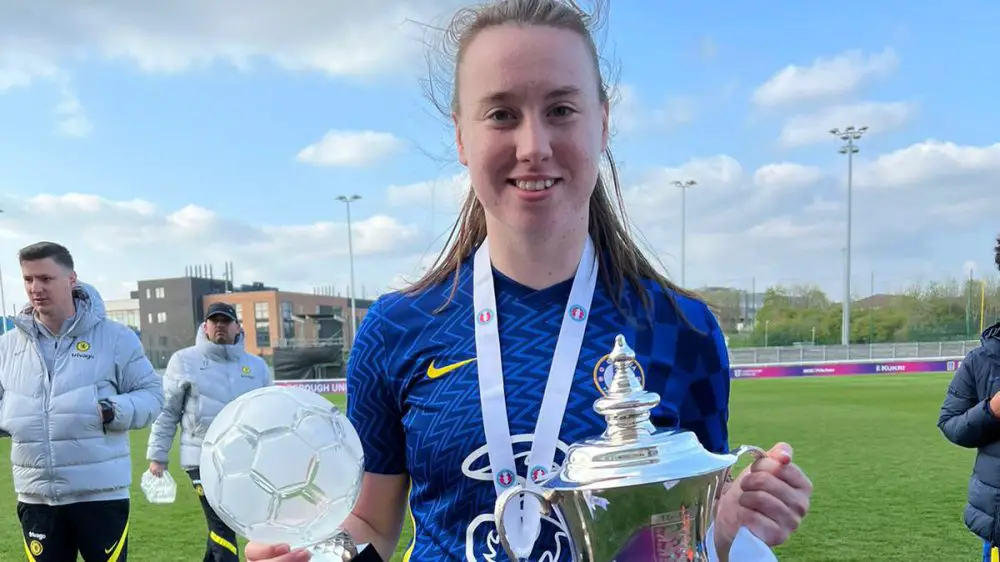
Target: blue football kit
<point>414,396</point>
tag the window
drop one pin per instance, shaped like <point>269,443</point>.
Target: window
<point>161,317</point>
<point>161,292</point>
<point>239,312</point>
<point>149,294</point>
<point>262,323</point>
<point>149,318</point>
<point>287,322</point>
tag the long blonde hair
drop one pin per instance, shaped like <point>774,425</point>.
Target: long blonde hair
<point>621,260</point>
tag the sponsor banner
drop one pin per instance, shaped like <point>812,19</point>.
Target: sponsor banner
<point>841,369</point>
<point>319,386</point>
<point>339,386</point>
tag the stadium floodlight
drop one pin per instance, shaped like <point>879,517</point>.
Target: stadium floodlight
<point>347,200</point>
<point>684,185</point>
<point>849,135</point>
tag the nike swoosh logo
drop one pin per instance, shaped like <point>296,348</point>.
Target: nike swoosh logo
<point>436,372</point>
<point>108,550</point>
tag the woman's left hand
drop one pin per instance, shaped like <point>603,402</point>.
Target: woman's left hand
<point>770,498</point>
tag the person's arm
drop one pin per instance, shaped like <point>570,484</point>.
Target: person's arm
<point>140,392</point>
<point>706,413</point>
<point>161,434</point>
<point>965,419</point>
<point>373,410</point>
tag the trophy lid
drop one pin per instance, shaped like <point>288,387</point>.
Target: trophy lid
<point>631,451</point>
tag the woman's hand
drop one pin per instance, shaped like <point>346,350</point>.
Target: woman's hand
<point>770,498</point>
<point>262,552</point>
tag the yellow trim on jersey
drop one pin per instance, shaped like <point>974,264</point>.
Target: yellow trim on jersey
<point>413,525</point>
<point>222,542</point>
<point>995,554</point>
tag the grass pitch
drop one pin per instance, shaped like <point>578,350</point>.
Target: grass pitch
<point>888,486</point>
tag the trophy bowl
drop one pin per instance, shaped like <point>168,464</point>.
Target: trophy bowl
<point>633,493</point>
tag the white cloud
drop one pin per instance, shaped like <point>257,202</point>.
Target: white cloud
<point>782,223</point>
<point>786,175</point>
<point>73,120</point>
<point>351,148</point>
<point>336,37</point>
<point>825,79</point>
<point>446,193</point>
<point>945,165</point>
<point>786,222</point>
<point>118,242</point>
<point>629,114</point>
<point>879,117</point>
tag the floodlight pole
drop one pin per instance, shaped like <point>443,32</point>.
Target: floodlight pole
<point>347,200</point>
<point>684,186</point>
<point>849,135</point>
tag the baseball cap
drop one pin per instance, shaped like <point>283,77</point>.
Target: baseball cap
<point>222,308</point>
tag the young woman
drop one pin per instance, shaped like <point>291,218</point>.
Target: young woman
<point>446,380</point>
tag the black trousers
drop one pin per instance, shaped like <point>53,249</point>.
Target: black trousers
<point>221,543</point>
<point>96,530</point>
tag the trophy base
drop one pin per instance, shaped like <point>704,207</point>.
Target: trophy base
<point>338,548</point>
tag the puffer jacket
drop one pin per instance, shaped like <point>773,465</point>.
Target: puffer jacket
<point>61,451</point>
<point>967,421</point>
<point>199,381</point>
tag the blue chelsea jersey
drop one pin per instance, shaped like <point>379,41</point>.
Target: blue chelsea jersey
<point>413,395</point>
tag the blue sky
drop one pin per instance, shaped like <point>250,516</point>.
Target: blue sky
<point>164,115</point>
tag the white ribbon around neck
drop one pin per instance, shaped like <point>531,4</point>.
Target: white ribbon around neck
<point>522,519</point>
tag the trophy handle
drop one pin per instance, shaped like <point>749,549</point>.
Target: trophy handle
<point>754,451</point>
<point>501,507</point>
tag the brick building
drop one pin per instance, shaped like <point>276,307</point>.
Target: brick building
<point>272,318</point>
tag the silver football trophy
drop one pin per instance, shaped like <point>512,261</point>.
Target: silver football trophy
<point>284,465</point>
<point>633,493</point>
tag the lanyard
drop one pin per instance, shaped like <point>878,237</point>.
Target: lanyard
<point>522,519</point>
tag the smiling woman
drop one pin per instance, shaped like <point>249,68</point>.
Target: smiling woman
<point>513,310</point>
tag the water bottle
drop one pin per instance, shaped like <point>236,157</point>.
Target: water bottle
<point>159,489</point>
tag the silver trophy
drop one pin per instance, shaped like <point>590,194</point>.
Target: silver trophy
<point>633,493</point>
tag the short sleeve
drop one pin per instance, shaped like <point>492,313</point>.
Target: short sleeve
<point>706,410</point>
<point>371,406</point>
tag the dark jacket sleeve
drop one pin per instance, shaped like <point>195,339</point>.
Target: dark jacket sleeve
<point>965,417</point>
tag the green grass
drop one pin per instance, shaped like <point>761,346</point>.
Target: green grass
<point>888,486</point>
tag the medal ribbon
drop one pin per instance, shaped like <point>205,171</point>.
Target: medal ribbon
<point>523,518</point>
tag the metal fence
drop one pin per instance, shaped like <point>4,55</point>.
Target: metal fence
<point>858,352</point>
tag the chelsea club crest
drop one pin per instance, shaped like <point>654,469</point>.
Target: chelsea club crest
<point>604,370</point>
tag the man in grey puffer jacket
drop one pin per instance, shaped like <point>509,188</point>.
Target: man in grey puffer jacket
<point>200,380</point>
<point>970,417</point>
<point>72,386</point>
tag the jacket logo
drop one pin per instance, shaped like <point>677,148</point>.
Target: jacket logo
<point>35,548</point>
<point>82,348</point>
<point>246,371</point>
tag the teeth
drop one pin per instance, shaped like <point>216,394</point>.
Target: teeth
<point>535,185</point>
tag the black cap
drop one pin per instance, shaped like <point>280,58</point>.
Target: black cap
<point>222,308</point>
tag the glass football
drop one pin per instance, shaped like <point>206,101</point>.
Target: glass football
<point>282,465</point>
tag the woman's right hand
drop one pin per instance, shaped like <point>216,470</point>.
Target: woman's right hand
<point>263,552</point>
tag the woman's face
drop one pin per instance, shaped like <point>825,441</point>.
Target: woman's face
<point>531,127</point>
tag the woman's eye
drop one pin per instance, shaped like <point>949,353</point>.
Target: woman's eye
<point>501,115</point>
<point>563,111</point>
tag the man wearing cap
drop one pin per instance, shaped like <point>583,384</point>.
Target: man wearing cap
<point>199,381</point>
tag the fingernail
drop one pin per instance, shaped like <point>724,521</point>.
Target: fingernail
<point>283,549</point>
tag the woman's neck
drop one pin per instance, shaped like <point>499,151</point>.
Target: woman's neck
<point>537,261</point>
